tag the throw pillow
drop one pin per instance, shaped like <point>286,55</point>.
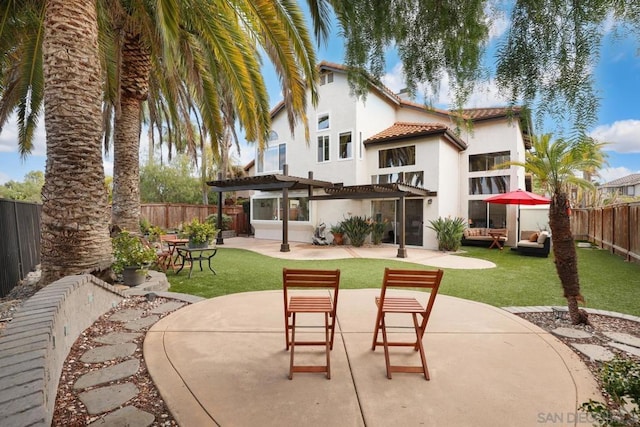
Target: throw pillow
<point>542,237</point>
<point>534,237</point>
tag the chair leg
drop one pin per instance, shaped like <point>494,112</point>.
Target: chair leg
<point>286,331</point>
<point>423,359</point>
<point>375,331</point>
<point>385,343</point>
<point>328,344</point>
<point>293,344</point>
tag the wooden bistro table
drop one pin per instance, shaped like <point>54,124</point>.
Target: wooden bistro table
<point>496,235</point>
<point>190,255</point>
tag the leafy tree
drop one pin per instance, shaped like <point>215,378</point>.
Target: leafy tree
<point>173,183</point>
<point>29,191</point>
<point>556,164</point>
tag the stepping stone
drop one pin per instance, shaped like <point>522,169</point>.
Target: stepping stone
<point>105,399</point>
<point>136,325</point>
<point>629,349</point>
<point>571,333</point>
<point>623,338</point>
<point>108,374</point>
<point>128,416</point>
<point>117,337</point>
<point>594,352</point>
<point>108,352</point>
<point>126,315</point>
<point>167,307</point>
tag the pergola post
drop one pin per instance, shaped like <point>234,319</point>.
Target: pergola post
<point>284,247</point>
<point>402,250</point>
<point>219,238</point>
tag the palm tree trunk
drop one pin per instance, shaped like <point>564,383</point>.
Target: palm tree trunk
<point>566,258</point>
<point>134,87</point>
<point>75,220</point>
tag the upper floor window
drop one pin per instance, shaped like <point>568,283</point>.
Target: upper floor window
<point>323,121</point>
<point>415,178</point>
<point>489,185</point>
<point>326,78</point>
<point>273,136</point>
<point>393,157</point>
<point>323,148</point>
<point>346,146</point>
<point>487,161</point>
<point>272,159</point>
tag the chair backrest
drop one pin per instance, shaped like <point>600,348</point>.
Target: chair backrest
<point>421,279</point>
<point>310,279</point>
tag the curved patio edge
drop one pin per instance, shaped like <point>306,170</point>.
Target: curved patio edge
<point>222,362</point>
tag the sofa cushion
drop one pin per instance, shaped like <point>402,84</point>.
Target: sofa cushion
<point>529,244</point>
<point>542,237</point>
<point>533,237</point>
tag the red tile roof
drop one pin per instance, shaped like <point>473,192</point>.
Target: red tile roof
<point>401,130</point>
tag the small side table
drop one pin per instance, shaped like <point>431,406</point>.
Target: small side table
<point>191,255</point>
<point>496,239</point>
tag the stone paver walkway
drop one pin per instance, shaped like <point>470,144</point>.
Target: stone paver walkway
<point>97,394</point>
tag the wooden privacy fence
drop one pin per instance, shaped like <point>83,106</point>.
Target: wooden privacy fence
<point>20,243</point>
<point>171,215</point>
<point>616,228</point>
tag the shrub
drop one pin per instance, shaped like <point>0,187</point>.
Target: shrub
<point>449,232</point>
<point>377,231</point>
<point>198,232</point>
<point>357,229</point>
<point>226,221</point>
<point>621,380</point>
<point>130,251</point>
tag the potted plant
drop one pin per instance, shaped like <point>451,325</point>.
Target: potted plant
<point>199,233</point>
<point>338,233</point>
<point>132,258</point>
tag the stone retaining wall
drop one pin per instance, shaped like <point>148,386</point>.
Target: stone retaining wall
<point>35,344</point>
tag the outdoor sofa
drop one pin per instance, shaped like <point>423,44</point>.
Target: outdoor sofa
<point>480,236</point>
<point>537,244</point>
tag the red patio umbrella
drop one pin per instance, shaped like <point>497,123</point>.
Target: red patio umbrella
<point>518,197</point>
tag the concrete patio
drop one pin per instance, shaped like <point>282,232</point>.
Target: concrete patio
<point>223,361</point>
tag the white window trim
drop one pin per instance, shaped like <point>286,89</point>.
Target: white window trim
<point>318,116</point>
<point>316,152</point>
<point>353,145</point>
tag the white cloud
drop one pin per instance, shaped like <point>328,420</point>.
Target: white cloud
<point>499,22</point>
<point>623,136</point>
<point>610,174</point>
<point>9,138</point>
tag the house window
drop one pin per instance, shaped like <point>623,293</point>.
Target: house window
<point>393,157</point>
<point>323,121</point>
<point>415,178</point>
<point>480,217</point>
<point>487,161</point>
<point>265,209</point>
<point>270,209</point>
<point>272,159</point>
<point>346,146</point>
<point>631,191</point>
<point>326,78</point>
<point>323,148</point>
<point>489,185</point>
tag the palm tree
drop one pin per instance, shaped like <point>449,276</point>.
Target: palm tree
<point>555,165</point>
<point>75,234</point>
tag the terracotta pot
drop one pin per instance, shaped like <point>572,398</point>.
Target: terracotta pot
<point>338,238</point>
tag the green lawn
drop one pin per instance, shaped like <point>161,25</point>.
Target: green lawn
<point>607,282</point>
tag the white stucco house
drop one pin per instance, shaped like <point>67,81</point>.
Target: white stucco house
<point>391,158</point>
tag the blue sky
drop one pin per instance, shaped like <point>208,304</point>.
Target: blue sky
<point>618,82</point>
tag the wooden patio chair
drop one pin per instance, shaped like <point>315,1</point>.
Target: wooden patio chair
<point>420,279</point>
<point>324,301</point>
